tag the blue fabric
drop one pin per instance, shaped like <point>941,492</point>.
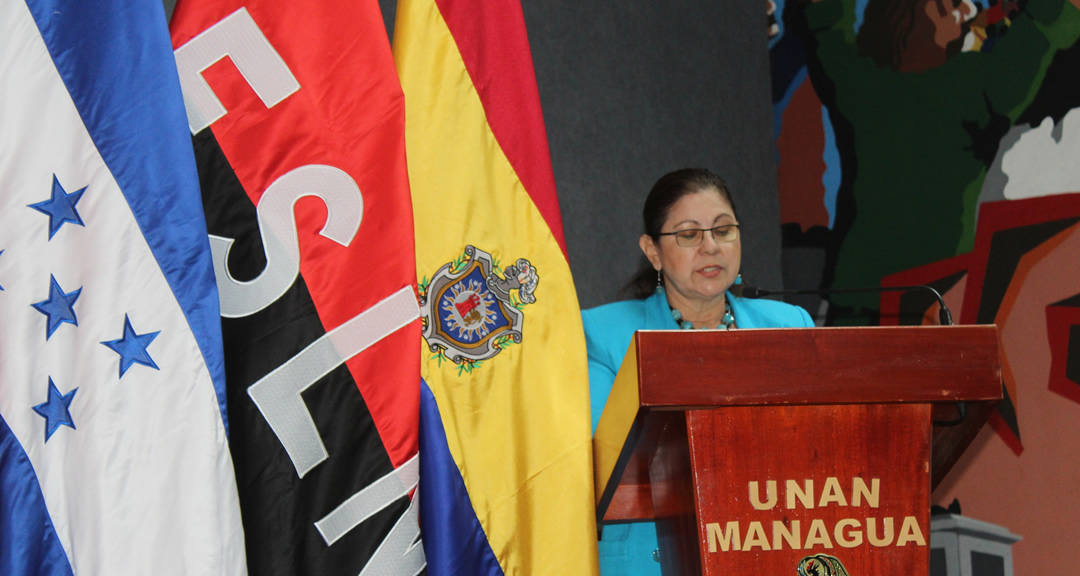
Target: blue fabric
<point>28,542</point>
<point>454,540</point>
<point>116,60</point>
<point>627,549</point>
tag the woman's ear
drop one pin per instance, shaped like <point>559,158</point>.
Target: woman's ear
<point>651,250</point>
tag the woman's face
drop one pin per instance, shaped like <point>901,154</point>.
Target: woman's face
<point>701,273</point>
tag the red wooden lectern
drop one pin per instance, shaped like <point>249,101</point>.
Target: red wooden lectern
<point>758,450</point>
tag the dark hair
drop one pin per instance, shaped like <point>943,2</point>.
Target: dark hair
<point>885,30</point>
<point>892,29</point>
<point>667,191</point>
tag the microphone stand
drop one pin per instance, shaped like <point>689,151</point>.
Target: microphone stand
<point>944,315</point>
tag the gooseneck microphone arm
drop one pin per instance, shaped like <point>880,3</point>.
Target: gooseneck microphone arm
<point>944,315</point>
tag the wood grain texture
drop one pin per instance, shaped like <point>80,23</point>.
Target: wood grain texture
<point>672,479</point>
<point>679,370</point>
<point>731,447</point>
<point>720,410</point>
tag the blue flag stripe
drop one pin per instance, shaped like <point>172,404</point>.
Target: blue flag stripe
<point>454,541</point>
<point>135,116</point>
<point>24,551</point>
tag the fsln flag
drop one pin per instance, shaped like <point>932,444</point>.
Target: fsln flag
<point>113,451</point>
<point>297,118</point>
<point>505,431</point>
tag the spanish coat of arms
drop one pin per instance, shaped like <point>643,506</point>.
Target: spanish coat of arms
<point>470,312</point>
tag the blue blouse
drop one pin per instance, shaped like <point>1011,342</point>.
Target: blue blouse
<point>628,549</point>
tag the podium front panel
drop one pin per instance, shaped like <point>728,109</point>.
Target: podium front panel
<point>761,490</point>
<point>760,451</point>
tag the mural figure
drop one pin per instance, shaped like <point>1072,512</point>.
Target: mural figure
<point>917,123</point>
<point>935,118</point>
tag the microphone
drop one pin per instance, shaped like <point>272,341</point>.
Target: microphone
<point>944,315</point>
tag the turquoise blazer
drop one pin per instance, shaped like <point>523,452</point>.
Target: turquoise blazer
<point>627,549</point>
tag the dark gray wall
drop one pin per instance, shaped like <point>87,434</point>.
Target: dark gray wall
<point>632,90</point>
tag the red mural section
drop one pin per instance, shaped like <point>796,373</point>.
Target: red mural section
<point>801,148</point>
<point>1063,332</point>
<point>1023,277</point>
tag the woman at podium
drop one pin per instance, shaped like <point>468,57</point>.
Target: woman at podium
<point>693,248</point>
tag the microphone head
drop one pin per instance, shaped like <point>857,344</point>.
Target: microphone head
<point>751,292</point>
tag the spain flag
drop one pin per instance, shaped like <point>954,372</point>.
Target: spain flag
<point>504,429</point>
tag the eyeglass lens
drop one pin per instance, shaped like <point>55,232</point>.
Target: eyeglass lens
<point>721,234</point>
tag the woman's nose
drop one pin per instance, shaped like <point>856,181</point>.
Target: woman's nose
<point>709,243</point>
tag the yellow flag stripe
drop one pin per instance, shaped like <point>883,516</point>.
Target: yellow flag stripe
<point>517,424</point>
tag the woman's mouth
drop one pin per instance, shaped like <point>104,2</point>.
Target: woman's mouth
<point>711,271</point>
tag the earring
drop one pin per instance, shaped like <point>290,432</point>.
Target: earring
<point>738,279</point>
<point>659,279</point>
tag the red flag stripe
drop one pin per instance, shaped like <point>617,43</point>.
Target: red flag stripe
<point>491,36</point>
<point>348,113</point>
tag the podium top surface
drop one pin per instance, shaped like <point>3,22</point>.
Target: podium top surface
<point>790,366</point>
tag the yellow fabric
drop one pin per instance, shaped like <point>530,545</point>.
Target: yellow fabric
<point>617,419</point>
<point>518,424</point>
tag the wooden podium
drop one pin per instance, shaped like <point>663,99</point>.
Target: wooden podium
<point>758,450</point>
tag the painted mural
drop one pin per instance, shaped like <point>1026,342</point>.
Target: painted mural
<point>938,141</point>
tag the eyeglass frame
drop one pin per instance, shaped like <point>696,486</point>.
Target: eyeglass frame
<point>711,231</point>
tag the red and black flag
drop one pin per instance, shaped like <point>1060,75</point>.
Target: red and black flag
<point>297,118</point>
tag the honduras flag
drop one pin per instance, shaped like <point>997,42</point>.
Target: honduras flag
<point>113,453</point>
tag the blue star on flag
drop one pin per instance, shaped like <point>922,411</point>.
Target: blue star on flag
<point>56,410</point>
<point>132,347</point>
<point>60,207</point>
<point>59,308</point>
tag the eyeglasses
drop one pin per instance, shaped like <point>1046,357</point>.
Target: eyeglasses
<point>691,237</point>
